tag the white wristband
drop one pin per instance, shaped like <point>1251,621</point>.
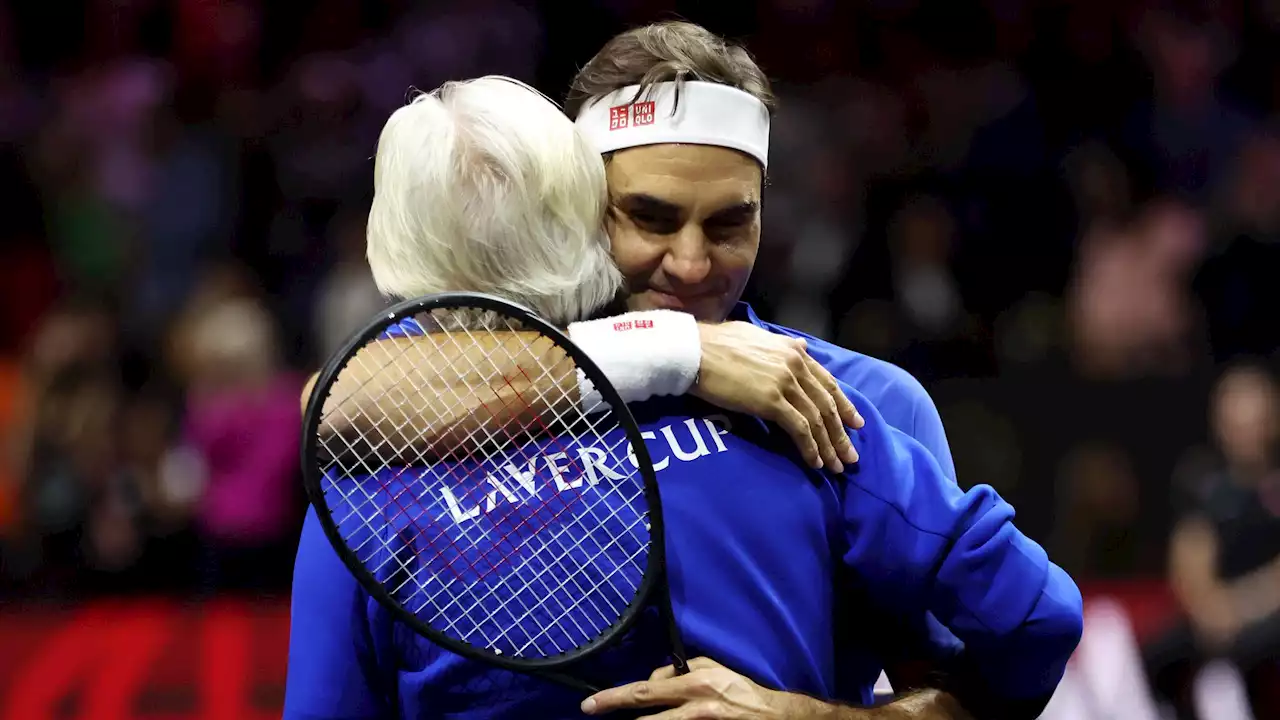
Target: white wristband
<point>648,353</point>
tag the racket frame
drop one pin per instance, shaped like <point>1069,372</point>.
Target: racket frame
<point>655,567</point>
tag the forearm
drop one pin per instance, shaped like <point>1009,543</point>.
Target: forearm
<point>432,394</point>
<point>446,393</point>
<point>1193,571</point>
<point>1257,595</point>
<point>922,705</point>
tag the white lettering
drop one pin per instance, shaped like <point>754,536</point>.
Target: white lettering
<point>631,453</point>
<point>524,478</point>
<point>718,425</point>
<point>498,487</point>
<point>455,509</point>
<point>700,446</point>
<point>593,460</point>
<point>595,464</point>
<point>558,472</point>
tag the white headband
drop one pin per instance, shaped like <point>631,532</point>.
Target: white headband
<point>707,114</point>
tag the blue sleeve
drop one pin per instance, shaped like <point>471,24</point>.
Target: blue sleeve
<point>899,397</point>
<point>333,667</point>
<point>918,543</point>
<point>926,428</point>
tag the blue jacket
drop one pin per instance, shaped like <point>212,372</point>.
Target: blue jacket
<point>753,538</point>
<point>909,645</point>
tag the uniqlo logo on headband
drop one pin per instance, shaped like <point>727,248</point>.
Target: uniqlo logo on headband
<point>618,116</point>
<point>643,113</point>
<point>622,116</point>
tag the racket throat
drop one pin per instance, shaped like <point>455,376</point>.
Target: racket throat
<point>679,657</point>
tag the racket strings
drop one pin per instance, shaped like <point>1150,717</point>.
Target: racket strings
<point>594,428</point>
<point>371,499</point>
<point>501,579</point>
<point>557,536</point>
<point>421,453</point>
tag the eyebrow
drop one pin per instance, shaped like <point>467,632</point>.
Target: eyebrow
<point>648,203</point>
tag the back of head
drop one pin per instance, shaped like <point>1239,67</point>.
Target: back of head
<point>486,186</point>
<point>664,52</point>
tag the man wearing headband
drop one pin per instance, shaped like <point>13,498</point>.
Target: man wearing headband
<point>685,163</point>
<point>684,221</point>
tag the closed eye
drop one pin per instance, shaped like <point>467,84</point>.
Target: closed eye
<point>651,214</point>
<point>732,217</point>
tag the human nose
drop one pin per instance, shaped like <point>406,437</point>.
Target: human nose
<point>687,259</point>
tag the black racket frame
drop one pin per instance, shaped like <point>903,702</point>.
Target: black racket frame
<point>655,568</point>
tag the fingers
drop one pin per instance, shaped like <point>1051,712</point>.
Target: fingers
<point>814,401</point>
<point>838,412</point>
<point>687,696</point>
<point>849,414</point>
<point>821,396</point>
<point>646,693</point>
<point>803,400</point>
<point>688,711</point>
<point>794,423</point>
<point>835,408</point>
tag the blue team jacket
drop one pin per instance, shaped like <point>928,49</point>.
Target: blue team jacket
<point>752,540</point>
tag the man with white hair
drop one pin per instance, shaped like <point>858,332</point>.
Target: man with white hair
<point>907,533</point>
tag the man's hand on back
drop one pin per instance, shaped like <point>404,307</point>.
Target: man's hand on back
<point>753,371</point>
<point>711,691</point>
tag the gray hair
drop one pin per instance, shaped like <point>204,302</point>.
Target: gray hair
<point>486,186</point>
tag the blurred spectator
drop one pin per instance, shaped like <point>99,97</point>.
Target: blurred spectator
<point>811,228</point>
<point>1224,561</point>
<point>219,284</point>
<point>67,450</point>
<point>1189,135</point>
<point>921,245</point>
<point>1130,307</point>
<point>92,163</point>
<point>185,220</point>
<point>926,324</point>
<point>241,424</point>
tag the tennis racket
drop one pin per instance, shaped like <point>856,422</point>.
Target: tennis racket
<point>530,545</point>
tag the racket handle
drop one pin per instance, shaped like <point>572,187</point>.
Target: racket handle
<point>680,664</point>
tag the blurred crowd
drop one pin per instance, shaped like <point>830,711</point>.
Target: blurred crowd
<point>1064,217</point>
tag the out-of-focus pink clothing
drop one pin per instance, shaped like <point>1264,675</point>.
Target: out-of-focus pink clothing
<point>249,442</point>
